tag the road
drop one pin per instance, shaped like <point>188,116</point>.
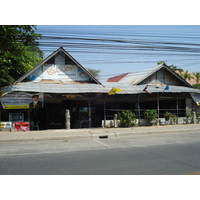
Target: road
<point>143,154</point>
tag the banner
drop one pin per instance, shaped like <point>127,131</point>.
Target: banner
<point>21,126</point>
<point>59,72</point>
<point>5,124</point>
<point>22,100</point>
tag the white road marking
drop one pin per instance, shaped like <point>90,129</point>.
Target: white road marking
<point>103,144</point>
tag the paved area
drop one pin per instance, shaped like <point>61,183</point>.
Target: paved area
<point>93,132</point>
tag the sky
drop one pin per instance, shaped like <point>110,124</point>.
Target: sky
<point>117,49</point>
<point>115,37</point>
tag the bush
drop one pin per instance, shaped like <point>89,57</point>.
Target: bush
<point>150,115</point>
<point>168,116</point>
<point>127,118</point>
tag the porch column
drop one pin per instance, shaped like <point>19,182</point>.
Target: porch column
<point>158,109</point>
<point>89,113</point>
<point>177,109</point>
<point>104,112</point>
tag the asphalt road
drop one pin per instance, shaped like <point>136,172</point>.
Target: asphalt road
<point>145,154</point>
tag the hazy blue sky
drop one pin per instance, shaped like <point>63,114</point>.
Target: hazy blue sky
<point>119,49</point>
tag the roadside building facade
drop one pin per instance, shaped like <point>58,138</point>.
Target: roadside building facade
<point>60,83</point>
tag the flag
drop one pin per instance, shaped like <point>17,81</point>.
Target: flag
<point>145,90</point>
<point>166,88</point>
<point>114,90</point>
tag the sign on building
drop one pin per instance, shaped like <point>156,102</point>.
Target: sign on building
<point>22,100</point>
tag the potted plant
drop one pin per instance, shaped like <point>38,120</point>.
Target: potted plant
<point>188,118</point>
<point>167,117</point>
<point>174,119</point>
<point>151,115</point>
<point>127,118</point>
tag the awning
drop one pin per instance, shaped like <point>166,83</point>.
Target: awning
<point>196,98</point>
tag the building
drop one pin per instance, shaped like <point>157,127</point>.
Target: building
<point>60,83</point>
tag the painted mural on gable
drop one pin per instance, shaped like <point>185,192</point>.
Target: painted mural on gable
<point>57,72</point>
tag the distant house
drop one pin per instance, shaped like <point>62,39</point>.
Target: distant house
<point>63,83</point>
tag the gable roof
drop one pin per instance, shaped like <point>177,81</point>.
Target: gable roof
<point>117,78</point>
<point>61,49</point>
<point>135,78</point>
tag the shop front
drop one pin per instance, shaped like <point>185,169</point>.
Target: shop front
<point>41,97</point>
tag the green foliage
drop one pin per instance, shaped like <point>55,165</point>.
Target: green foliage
<point>19,51</point>
<point>127,118</point>
<point>161,62</point>
<point>174,118</point>
<point>168,116</point>
<point>197,86</point>
<point>175,68</point>
<point>186,75</point>
<point>94,72</point>
<point>187,118</point>
<point>197,77</point>
<point>150,115</point>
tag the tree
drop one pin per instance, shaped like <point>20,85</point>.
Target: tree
<point>94,72</point>
<point>197,77</point>
<point>19,51</point>
<point>161,62</point>
<point>186,75</point>
<point>175,68</point>
<point>197,86</point>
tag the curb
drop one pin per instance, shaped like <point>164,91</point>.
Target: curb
<point>92,133</point>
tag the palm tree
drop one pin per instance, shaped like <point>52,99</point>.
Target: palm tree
<point>173,67</point>
<point>186,75</point>
<point>197,77</point>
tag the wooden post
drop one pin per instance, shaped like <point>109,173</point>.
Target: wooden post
<point>177,109</point>
<point>67,119</point>
<point>138,102</point>
<point>104,112</point>
<point>89,114</point>
<point>158,108</point>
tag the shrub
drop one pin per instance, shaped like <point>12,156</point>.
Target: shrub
<point>127,118</point>
<point>168,116</point>
<point>150,115</point>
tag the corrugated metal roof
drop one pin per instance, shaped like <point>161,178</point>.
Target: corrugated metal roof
<point>117,78</point>
<point>55,88</point>
<point>126,88</point>
<point>136,77</point>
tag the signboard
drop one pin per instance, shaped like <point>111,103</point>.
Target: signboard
<point>21,100</point>
<point>59,72</point>
<point>21,126</point>
<point>16,117</point>
<point>5,124</point>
